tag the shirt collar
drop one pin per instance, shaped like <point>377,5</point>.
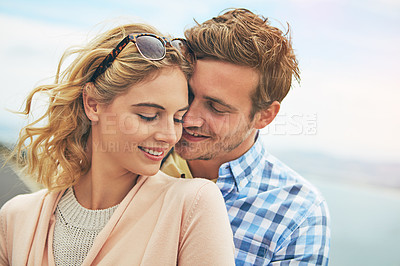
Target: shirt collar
<point>245,166</point>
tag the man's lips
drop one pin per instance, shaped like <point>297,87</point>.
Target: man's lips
<point>192,136</point>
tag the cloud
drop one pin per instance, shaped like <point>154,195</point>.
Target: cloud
<point>348,60</point>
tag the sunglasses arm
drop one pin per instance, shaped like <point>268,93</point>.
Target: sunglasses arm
<point>111,57</point>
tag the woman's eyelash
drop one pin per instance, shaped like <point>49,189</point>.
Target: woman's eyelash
<point>147,118</point>
<point>176,120</point>
<point>152,118</point>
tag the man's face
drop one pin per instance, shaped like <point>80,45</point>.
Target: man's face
<point>218,121</point>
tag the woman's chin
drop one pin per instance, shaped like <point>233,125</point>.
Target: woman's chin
<point>149,172</point>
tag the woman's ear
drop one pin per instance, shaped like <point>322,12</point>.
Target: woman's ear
<point>90,104</point>
<point>266,116</point>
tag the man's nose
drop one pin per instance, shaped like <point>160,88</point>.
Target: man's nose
<point>193,117</point>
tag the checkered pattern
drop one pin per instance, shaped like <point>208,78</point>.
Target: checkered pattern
<point>277,217</point>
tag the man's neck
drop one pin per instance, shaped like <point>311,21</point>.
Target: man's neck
<point>209,169</point>
<point>204,168</point>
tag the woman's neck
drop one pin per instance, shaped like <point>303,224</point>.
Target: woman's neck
<point>103,186</point>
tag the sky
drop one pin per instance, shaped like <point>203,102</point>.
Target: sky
<point>346,103</point>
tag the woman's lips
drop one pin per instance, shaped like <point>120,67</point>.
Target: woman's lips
<point>155,154</point>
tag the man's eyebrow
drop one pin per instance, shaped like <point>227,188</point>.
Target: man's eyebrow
<point>153,105</point>
<point>221,102</point>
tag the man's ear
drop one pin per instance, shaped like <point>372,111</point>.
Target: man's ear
<point>90,104</point>
<point>266,116</point>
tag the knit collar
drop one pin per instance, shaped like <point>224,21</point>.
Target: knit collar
<point>78,216</point>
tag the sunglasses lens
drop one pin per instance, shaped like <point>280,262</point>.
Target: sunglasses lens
<point>183,48</point>
<point>150,47</point>
<point>180,45</point>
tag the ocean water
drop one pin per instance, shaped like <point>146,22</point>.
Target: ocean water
<point>365,223</point>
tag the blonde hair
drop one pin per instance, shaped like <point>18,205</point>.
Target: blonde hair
<point>54,154</point>
<point>241,37</point>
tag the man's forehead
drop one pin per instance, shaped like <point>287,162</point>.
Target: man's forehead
<point>222,73</point>
<point>232,84</point>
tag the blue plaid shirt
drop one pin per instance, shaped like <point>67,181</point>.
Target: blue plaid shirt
<point>277,217</point>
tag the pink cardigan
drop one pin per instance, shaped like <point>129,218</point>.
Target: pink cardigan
<point>161,221</point>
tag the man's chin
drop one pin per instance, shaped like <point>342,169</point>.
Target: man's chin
<point>189,152</point>
<point>183,151</point>
<point>201,158</point>
<point>195,157</point>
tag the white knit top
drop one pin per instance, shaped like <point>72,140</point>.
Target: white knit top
<point>76,229</point>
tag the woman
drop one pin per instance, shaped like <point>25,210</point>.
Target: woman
<point>112,116</point>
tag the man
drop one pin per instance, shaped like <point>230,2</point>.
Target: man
<point>243,70</point>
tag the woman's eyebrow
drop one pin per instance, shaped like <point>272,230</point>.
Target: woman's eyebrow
<point>153,105</point>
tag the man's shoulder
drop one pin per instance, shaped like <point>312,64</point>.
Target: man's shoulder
<point>278,190</point>
<point>281,206</point>
<point>275,175</point>
<point>264,173</point>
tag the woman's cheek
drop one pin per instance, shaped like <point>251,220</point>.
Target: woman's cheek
<point>178,131</point>
<point>129,124</point>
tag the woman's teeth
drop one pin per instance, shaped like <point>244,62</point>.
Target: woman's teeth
<point>156,153</point>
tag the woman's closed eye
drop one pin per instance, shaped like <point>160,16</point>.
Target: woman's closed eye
<point>178,120</point>
<point>148,118</point>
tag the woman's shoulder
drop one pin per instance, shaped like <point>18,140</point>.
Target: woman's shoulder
<point>24,203</point>
<point>188,188</point>
<point>183,183</point>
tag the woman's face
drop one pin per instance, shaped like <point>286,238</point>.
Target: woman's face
<point>138,128</point>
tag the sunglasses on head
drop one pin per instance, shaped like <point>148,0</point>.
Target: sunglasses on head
<point>150,46</point>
